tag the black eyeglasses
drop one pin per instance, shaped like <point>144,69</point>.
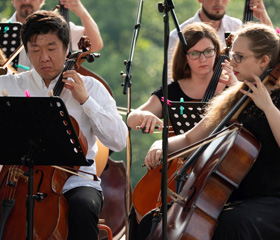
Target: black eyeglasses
<point>207,53</point>
<point>237,57</point>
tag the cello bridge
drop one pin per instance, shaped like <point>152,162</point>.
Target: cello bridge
<point>175,197</point>
<point>14,174</point>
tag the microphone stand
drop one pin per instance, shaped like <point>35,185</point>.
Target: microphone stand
<point>168,6</point>
<point>126,78</point>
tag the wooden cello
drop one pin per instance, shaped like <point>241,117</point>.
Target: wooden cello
<point>247,13</point>
<point>13,192</point>
<point>51,203</point>
<point>145,199</point>
<point>217,170</point>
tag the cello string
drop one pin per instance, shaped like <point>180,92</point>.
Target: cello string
<point>248,13</point>
<point>174,196</point>
<point>170,180</point>
<point>60,84</point>
<point>202,144</point>
<point>210,91</point>
<point>211,88</point>
<point>16,178</point>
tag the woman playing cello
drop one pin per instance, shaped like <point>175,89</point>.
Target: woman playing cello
<point>191,75</point>
<point>252,211</point>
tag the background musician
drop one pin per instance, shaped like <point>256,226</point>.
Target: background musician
<point>45,36</point>
<point>191,74</point>
<point>214,13</point>
<point>90,28</point>
<point>253,209</point>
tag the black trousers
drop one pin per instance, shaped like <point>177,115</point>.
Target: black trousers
<point>85,204</point>
<point>250,219</point>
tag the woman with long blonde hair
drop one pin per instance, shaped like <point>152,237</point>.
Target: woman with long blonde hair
<point>252,211</point>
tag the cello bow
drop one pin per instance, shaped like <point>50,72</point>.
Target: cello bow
<point>6,64</point>
<point>217,175</point>
<point>233,114</point>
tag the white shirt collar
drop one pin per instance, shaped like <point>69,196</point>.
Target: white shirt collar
<point>14,17</point>
<point>39,80</point>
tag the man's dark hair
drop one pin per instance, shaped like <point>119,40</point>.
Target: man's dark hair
<point>44,22</point>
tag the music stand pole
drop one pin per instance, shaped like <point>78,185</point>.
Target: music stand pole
<point>27,161</point>
<point>127,90</point>
<point>165,8</point>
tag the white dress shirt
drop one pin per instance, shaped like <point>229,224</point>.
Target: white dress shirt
<point>97,117</point>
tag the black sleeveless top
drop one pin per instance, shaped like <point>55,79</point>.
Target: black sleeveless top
<point>175,93</point>
<point>264,177</point>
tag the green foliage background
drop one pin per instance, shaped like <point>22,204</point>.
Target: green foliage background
<point>116,21</point>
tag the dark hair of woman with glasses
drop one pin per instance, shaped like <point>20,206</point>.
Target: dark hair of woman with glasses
<point>192,71</point>
<point>253,209</point>
<point>193,33</point>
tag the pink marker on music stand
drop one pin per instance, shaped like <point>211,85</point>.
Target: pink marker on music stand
<point>27,93</point>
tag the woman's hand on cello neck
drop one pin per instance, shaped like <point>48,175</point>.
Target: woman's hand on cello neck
<point>259,93</point>
<point>261,97</point>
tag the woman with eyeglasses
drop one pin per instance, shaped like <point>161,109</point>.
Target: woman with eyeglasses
<point>253,209</point>
<point>191,72</point>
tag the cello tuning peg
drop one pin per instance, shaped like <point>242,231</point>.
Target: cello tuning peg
<point>123,75</point>
<point>90,58</point>
<point>96,55</point>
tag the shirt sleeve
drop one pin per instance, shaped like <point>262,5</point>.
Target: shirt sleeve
<point>108,126</point>
<point>76,33</point>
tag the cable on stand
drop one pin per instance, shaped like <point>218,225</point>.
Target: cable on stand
<point>126,83</point>
<point>165,8</point>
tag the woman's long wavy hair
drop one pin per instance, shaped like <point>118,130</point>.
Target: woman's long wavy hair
<point>263,41</point>
<point>193,33</point>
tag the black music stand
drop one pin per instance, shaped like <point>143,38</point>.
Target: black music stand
<point>10,39</point>
<point>185,115</point>
<point>37,131</point>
